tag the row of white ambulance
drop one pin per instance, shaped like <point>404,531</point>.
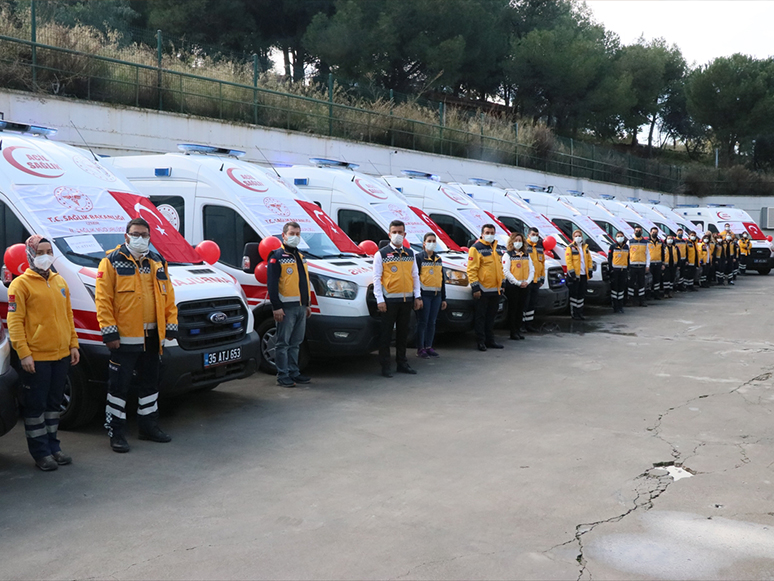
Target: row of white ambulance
<point>201,192</point>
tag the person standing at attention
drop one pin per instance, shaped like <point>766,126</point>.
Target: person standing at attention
<point>398,291</point>
<point>579,265</point>
<point>431,280</point>
<point>41,329</point>
<point>536,254</point>
<point>136,311</point>
<point>485,273</point>
<point>618,260</point>
<point>288,285</point>
<point>519,273</point>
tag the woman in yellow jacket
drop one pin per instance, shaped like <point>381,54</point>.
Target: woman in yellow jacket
<point>579,267</point>
<point>40,324</point>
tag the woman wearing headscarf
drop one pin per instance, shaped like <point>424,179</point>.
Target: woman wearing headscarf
<point>519,272</point>
<point>579,267</point>
<point>41,328</point>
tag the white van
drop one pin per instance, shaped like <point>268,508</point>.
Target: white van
<point>667,212</point>
<point>713,218</point>
<point>516,215</point>
<point>601,216</point>
<point>462,219</point>
<point>629,215</point>
<point>215,196</point>
<point>64,194</point>
<point>363,208</point>
<point>9,412</point>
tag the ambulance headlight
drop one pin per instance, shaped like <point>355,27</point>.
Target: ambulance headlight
<point>455,277</point>
<point>336,288</point>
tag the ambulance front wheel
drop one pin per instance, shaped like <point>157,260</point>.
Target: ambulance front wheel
<point>267,339</point>
<point>764,271</point>
<point>78,406</point>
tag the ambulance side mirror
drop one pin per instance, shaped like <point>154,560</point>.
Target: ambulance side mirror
<point>250,257</point>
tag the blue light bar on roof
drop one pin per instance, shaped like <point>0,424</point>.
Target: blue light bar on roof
<point>27,128</point>
<point>687,206</point>
<point>534,188</point>
<point>482,182</point>
<point>606,197</point>
<point>410,173</point>
<point>575,193</point>
<point>301,181</point>
<point>189,148</point>
<point>163,172</point>
<point>633,199</point>
<point>322,162</point>
<point>720,205</point>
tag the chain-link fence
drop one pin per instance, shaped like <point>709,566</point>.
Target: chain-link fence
<point>150,80</point>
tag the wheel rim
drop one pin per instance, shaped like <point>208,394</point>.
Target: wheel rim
<point>268,345</point>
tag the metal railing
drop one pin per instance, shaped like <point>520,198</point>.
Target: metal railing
<point>42,68</point>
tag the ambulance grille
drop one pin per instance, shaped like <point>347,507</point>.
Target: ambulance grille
<point>555,277</point>
<point>760,252</point>
<point>196,330</point>
<point>605,271</point>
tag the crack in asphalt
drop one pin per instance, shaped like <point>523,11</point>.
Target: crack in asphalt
<point>650,485</point>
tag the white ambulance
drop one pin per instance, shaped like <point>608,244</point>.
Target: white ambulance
<point>601,216</point>
<point>666,224</point>
<point>628,215</point>
<point>462,219</point>
<point>516,215</point>
<point>666,211</point>
<point>64,194</point>
<point>713,218</point>
<point>9,413</point>
<point>212,195</point>
<point>363,207</point>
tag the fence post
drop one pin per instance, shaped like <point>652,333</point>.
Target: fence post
<point>330,104</point>
<point>255,89</point>
<point>482,135</point>
<point>136,86</point>
<point>34,39</point>
<point>572,156</point>
<point>158,62</point>
<point>593,160</point>
<point>440,122</point>
<point>516,140</point>
<point>392,133</point>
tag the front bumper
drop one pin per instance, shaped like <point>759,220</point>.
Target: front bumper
<point>9,412</point>
<point>457,318</point>
<point>552,300</point>
<point>341,336</point>
<point>183,370</point>
<point>598,291</point>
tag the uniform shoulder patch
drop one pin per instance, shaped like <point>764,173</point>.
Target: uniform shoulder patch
<point>272,261</point>
<point>100,274</point>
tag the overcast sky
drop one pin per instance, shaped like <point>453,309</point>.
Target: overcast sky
<point>703,29</point>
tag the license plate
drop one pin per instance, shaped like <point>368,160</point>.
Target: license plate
<point>222,357</point>
<point>760,260</point>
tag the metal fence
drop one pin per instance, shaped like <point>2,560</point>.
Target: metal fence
<point>42,68</point>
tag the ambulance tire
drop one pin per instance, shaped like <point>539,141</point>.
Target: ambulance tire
<point>266,330</point>
<point>764,271</point>
<point>79,406</point>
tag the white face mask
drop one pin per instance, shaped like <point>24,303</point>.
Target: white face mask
<point>744,235</point>
<point>620,239</point>
<point>518,244</point>
<point>693,237</point>
<point>138,245</point>
<point>397,239</point>
<point>430,246</point>
<point>44,261</point>
<point>728,238</point>
<point>670,241</point>
<point>578,239</point>
<point>706,241</point>
<point>488,238</point>
<point>533,239</point>
<point>293,241</point>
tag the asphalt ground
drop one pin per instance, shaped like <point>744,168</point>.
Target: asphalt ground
<point>635,446</point>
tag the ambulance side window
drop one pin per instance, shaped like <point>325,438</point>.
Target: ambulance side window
<point>606,226</point>
<point>565,226</point>
<point>11,230</point>
<point>230,231</point>
<point>454,229</point>
<point>178,203</point>
<point>360,226</point>
<point>513,224</point>
<point>711,227</point>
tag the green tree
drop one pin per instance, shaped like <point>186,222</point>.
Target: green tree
<point>734,96</point>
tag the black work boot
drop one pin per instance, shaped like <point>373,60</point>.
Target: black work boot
<point>151,431</point>
<point>118,443</point>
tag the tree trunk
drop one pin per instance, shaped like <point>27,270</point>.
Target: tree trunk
<point>286,56</point>
<point>650,136</point>
<point>298,64</point>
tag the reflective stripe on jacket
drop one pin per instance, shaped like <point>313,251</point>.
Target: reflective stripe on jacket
<point>284,281</point>
<point>572,257</point>
<point>618,256</point>
<point>397,281</point>
<point>431,273</point>
<point>119,301</point>
<point>656,250</point>
<point>485,267</point>
<point>638,252</point>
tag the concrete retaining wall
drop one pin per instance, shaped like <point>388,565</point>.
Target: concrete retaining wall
<point>119,130</point>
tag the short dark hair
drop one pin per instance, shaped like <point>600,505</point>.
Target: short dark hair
<point>289,225</point>
<point>428,236</point>
<point>485,226</point>
<point>397,224</point>
<point>535,230</point>
<point>137,222</point>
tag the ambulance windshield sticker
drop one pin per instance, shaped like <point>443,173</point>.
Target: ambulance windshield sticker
<point>170,214</point>
<point>247,180</point>
<point>69,211</point>
<point>371,188</point>
<point>32,161</point>
<point>93,168</point>
<point>415,227</point>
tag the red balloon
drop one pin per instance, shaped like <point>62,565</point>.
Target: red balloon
<point>260,273</point>
<point>369,247</point>
<point>550,254</point>
<point>209,251</point>
<point>549,242</point>
<point>769,237</point>
<point>15,259</point>
<point>268,245</point>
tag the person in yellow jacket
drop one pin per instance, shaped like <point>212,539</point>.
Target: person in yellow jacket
<point>744,252</point>
<point>41,328</point>
<point>536,252</point>
<point>579,268</point>
<point>136,312</point>
<point>485,273</point>
<point>706,251</point>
